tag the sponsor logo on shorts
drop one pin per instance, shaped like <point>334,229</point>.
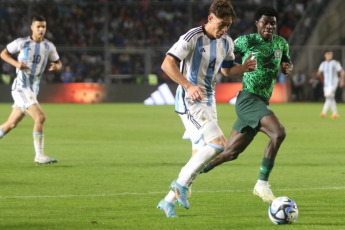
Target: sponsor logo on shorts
<point>267,107</point>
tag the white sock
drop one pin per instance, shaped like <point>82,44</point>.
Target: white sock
<point>334,106</point>
<point>326,105</point>
<point>38,143</point>
<point>198,162</point>
<point>170,197</point>
<point>1,133</point>
<point>261,182</point>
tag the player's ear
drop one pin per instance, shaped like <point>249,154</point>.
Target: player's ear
<point>210,17</point>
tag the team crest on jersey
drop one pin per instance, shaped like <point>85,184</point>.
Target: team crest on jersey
<point>278,54</point>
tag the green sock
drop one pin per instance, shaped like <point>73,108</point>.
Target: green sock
<point>266,168</point>
<point>207,168</point>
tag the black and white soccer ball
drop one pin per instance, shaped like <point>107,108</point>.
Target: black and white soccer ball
<point>283,210</point>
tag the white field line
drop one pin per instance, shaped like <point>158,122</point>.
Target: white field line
<point>163,192</point>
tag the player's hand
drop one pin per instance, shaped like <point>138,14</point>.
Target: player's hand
<point>195,92</point>
<point>53,67</point>
<point>249,64</point>
<point>22,66</point>
<point>287,68</point>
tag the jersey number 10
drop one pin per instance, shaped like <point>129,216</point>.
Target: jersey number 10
<point>36,59</point>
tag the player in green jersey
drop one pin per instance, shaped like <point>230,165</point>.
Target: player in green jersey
<point>252,106</point>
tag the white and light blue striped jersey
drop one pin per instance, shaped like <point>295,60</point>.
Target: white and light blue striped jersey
<point>330,72</point>
<point>200,60</point>
<point>36,56</point>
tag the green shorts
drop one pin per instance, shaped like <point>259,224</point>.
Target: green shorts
<point>250,109</point>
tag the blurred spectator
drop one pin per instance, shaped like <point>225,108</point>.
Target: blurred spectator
<point>298,81</point>
<point>316,83</point>
<point>67,75</point>
<point>129,24</point>
<point>285,31</point>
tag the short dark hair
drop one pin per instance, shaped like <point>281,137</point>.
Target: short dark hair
<point>267,11</point>
<point>38,18</point>
<point>223,9</point>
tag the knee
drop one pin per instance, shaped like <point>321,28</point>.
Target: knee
<point>279,135</point>
<point>41,118</point>
<point>220,141</point>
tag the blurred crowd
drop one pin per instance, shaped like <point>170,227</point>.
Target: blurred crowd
<point>85,31</point>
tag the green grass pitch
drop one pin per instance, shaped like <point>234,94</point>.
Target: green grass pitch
<point>116,162</point>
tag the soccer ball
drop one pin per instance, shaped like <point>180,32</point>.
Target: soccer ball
<point>283,210</point>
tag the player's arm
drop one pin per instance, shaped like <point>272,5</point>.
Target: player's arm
<point>6,56</point>
<point>169,66</point>
<point>286,64</point>
<point>55,66</point>
<point>341,79</point>
<point>238,69</point>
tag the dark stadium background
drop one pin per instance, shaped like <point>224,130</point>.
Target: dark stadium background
<point>118,46</point>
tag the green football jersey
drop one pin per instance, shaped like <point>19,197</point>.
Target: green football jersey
<point>268,55</point>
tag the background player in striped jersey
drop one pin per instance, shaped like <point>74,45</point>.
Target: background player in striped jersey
<point>252,105</point>
<point>34,53</point>
<point>331,70</point>
<point>201,52</point>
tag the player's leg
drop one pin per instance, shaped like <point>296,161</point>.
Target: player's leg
<point>188,173</point>
<point>179,188</point>
<point>195,149</point>
<point>271,126</point>
<point>326,106</point>
<point>167,204</point>
<point>212,134</point>
<point>208,146</point>
<point>327,91</point>
<point>236,144</point>
<point>15,117</point>
<point>334,109</point>
<point>333,103</point>
<point>39,117</point>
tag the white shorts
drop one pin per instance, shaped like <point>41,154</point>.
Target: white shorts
<point>23,98</point>
<point>329,91</point>
<point>201,122</point>
<point>195,146</point>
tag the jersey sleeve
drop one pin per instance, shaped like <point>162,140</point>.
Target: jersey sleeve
<point>338,67</point>
<point>229,60</point>
<point>240,45</point>
<point>14,47</point>
<point>53,54</point>
<point>181,49</point>
<point>286,52</point>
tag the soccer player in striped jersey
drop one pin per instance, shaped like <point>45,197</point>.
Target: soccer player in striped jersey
<point>331,70</point>
<point>252,105</point>
<point>201,52</point>
<point>34,53</point>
